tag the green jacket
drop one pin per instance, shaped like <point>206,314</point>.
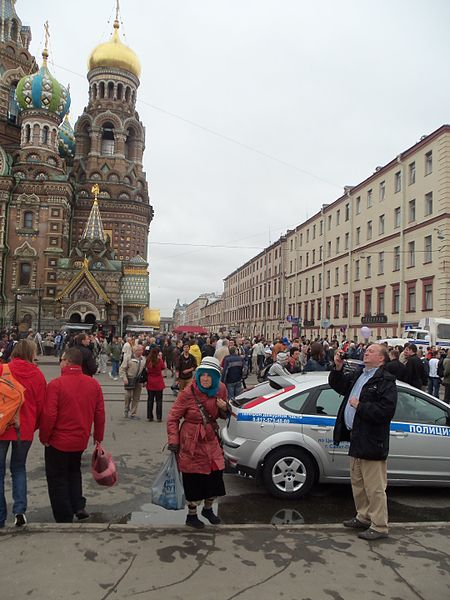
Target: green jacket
<point>114,351</point>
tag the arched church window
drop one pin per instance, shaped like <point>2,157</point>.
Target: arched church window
<point>27,133</point>
<point>94,91</point>
<point>101,89</point>
<point>119,91</point>
<point>107,147</point>
<point>13,108</point>
<point>127,93</point>
<point>45,131</point>
<point>130,144</point>
<point>28,219</point>
<point>24,273</point>
<point>110,89</point>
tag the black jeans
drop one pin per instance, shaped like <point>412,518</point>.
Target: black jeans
<point>63,472</point>
<point>151,397</point>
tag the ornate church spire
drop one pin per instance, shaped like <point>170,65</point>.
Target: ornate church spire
<point>94,226</point>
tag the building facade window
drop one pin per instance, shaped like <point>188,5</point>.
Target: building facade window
<point>369,266</point>
<point>396,298</point>
<point>380,301</point>
<point>28,219</point>
<point>336,276</point>
<point>411,296</point>
<point>358,205</point>
<point>346,273</point>
<point>381,224</point>
<point>24,274</point>
<point>398,181</point>
<point>357,270</point>
<point>380,263</point>
<point>382,191</point>
<point>338,239</point>
<point>411,254</point>
<point>427,294</point>
<point>336,307</point>
<point>338,216</point>
<point>347,240</point>
<point>356,304</point>
<point>428,249</point>
<point>369,230</point>
<point>429,162</point>
<point>358,236</point>
<point>345,306</point>
<point>328,279</point>
<point>411,211</point>
<point>412,173</point>
<point>347,211</point>
<point>369,198</point>
<point>397,217</point>
<point>368,302</point>
<point>428,204</point>
<point>396,265</point>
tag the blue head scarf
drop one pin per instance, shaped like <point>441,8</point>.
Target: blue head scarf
<point>211,391</point>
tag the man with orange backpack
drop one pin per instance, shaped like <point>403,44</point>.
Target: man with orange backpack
<point>22,394</point>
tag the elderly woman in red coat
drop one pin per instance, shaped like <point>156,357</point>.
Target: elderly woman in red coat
<point>200,456</point>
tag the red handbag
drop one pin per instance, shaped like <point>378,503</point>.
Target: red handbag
<point>103,467</point>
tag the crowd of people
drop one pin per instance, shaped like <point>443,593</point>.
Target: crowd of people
<point>207,371</point>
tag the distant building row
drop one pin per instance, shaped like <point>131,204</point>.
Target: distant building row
<point>379,256</point>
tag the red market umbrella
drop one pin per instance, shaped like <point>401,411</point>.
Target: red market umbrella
<point>190,329</point>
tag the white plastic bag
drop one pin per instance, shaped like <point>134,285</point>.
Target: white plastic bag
<point>167,489</point>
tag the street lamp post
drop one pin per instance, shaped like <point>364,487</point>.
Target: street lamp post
<point>17,297</point>
<point>39,293</point>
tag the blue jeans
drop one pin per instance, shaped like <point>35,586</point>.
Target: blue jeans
<point>234,389</point>
<point>19,451</point>
<point>114,367</point>
<point>433,386</point>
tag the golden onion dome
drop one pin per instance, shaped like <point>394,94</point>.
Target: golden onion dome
<point>114,53</point>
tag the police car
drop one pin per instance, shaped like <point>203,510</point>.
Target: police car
<point>282,430</point>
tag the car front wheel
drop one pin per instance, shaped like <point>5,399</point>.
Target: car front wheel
<point>289,473</point>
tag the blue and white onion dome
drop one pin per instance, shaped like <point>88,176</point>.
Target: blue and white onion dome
<point>66,139</point>
<point>42,91</point>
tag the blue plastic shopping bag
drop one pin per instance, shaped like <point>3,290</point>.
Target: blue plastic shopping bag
<point>167,489</point>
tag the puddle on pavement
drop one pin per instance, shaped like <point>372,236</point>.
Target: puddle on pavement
<point>325,504</point>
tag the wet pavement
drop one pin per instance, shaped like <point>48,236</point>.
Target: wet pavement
<point>138,448</point>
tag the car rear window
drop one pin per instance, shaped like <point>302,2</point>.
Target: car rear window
<point>264,389</point>
<point>296,403</point>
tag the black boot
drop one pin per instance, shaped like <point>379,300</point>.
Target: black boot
<point>194,521</point>
<point>209,514</point>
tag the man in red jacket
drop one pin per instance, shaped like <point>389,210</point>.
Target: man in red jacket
<point>74,402</point>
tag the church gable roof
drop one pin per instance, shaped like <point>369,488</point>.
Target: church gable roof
<point>84,273</point>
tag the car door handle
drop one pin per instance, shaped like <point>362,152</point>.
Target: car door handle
<point>320,428</point>
<point>399,434</point>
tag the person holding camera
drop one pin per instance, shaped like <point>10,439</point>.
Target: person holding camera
<point>363,419</point>
<point>130,371</point>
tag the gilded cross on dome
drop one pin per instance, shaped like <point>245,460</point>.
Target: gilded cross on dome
<point>47,36</point>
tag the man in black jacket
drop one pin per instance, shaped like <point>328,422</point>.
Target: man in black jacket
<point>364,420</point>
<point>89,365</point>
<point>415,373</point>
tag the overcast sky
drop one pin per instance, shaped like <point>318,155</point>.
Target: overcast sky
<point>256,111</point>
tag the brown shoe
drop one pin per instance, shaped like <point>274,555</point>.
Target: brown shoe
<point>372,534</point>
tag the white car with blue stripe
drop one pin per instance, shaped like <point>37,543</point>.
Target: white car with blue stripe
<point>282,430</point>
